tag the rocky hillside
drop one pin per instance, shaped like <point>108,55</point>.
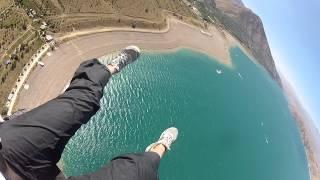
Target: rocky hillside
<point>248,28</point>
<point>231,7</point>
<point>208,4</point>
<point>257,41</point>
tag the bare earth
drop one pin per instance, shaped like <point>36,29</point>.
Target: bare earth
<point>48,81</point>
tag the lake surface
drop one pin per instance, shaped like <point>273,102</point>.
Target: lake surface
<point>233,125</point>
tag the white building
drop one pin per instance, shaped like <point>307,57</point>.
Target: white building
<point>43,27</point>
<point>1,119</point>
<point>49,38</point>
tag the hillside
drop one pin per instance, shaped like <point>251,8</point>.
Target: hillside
<point>69,15</point>
<point>246,26</point>
<point>230,7</point>
<point>251,33</point>
<point>18,42</point>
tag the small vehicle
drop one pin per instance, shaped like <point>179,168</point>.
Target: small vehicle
<point>40,63</point>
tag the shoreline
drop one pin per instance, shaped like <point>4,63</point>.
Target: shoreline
<point>48,81</point>
<point>231,41</point>
<point>176,36</point>
<point>308,132</point>
<point>220,37</point>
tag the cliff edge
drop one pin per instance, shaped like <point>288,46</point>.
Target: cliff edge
<point>248,28</point>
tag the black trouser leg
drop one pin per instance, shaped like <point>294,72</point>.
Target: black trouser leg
<point>33,142</point>
<point>143,166</point>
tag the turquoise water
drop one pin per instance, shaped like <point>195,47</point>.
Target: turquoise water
<point>232,126</point>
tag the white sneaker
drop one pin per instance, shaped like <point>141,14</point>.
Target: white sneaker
<point>125,57</point>
<point>168,137</point>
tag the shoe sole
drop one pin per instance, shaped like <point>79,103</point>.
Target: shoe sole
<point>133,47</point>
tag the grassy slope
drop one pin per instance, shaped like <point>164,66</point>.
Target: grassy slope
<point>4,4</point>
<point>13,33</point>
<point>141,13</point>
<point>147,9</point>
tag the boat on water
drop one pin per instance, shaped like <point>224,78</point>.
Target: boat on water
<point>240,75</point>
<point>266,139</point>
<point>219,71</point>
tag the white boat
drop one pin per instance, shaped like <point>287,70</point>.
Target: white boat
<point>240,75</point>
<point>219,71</point>
<point>267,141</point>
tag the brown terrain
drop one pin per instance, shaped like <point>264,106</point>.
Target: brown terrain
<point>231,7</point>
<point>310,135</point>
<point>68,15</point>
<point>18,41</point>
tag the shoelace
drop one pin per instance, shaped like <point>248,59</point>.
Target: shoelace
<point>120,61</point>
<point>123,57</point>
<point>168,138</point>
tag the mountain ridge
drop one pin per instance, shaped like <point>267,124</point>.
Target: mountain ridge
<point>247,27</point>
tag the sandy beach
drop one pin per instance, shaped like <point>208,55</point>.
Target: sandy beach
<point>309,133</point>
<point>47,82</point>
